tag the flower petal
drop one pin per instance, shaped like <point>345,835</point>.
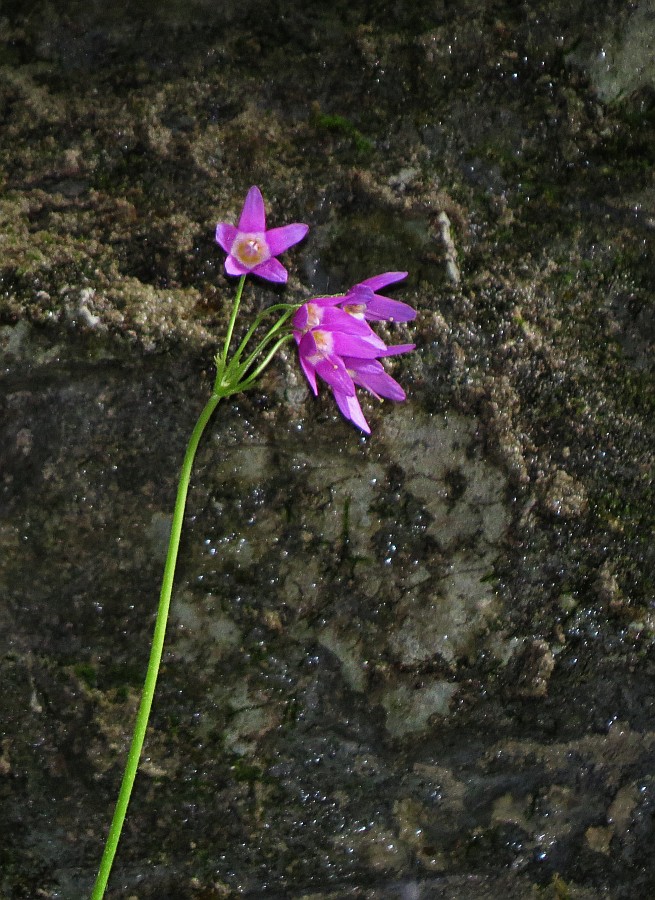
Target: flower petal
<point>334,373</point>
<point>225,235</point>
<point>395,349</point>
<point>380,281</point>
<point>272,270</point>
<point>234,267</point>
<point>350,408</point>
<point>382,309</point>
<point>253,215</point>
<point>358,345</point>
<point>340,320</point>
<point>370,375</point>
<point>310,374</point>
<point>280,239</point>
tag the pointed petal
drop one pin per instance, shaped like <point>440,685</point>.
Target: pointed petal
<point>359,346</point>
<point>234,267</point>
<point>225,235</point>
<point>383,385</point>
<point>310,373</point>
<point>380,281</point>
<point>280,239</point>
<point>334,373</point>
<point>360,293</point>
<point>382,309</point>
<point>271,270</point>
<point>253,216</point>
<point>351,409</point>
<point>339,320</point>
<point>370,375</point>
<point>395,349</point>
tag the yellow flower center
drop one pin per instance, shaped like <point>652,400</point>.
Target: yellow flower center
<point>250,249</point>
<point>313,316</point>
<point>355,309</point>
<point>323,341</point>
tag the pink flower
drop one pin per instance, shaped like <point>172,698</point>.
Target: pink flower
<point>363,301</point>
<point>343,350</point>
<point>250,247</point>
<point>369,374</point>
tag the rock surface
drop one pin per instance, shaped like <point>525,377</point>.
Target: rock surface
<point>412,666</point>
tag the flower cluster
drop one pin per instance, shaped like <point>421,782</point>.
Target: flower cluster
<point>336,343</point>
<point>333,336</point>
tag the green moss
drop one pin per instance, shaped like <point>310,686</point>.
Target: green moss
<point>245,771</point>
<point>86,673</point>
<point>121,694</point>
<point>340,125</point>
<point>556,890</point>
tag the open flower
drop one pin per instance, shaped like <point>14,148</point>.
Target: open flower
<point>344,351</point>
<point>250,247</point>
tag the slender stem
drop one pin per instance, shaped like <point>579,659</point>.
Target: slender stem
<point>229,379</point>
<point>143,713</point>
<point>248,382</point>
<point>288,308</point>
<point>230,326</point>
<point>237,370</point>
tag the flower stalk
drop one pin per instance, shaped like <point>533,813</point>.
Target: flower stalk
<point>145,706</point>
<point>335,342</point>
<point>231,378</point>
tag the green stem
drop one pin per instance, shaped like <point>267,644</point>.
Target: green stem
<point>236,372</point>
<point>229,379</point>
<point>250,380</point>
<point>143,713</point>
<point>230,327</point>
<point>288,308</point>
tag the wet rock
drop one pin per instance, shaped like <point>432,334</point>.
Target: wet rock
<point>620,61</point>
<point>564,496</point>
<point>534,667</point>
<point>418,664</point>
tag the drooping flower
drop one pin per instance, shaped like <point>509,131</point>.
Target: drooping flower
<point>324,335</point>
<point>251,248</point>
<point>343,350</point>
<point>369,374</point>
<point>364,302</point>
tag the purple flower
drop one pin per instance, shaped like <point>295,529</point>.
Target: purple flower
<point>369,374</point>
<point>363,302</point>
<point>250,247</point>
<point>343,350</point>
